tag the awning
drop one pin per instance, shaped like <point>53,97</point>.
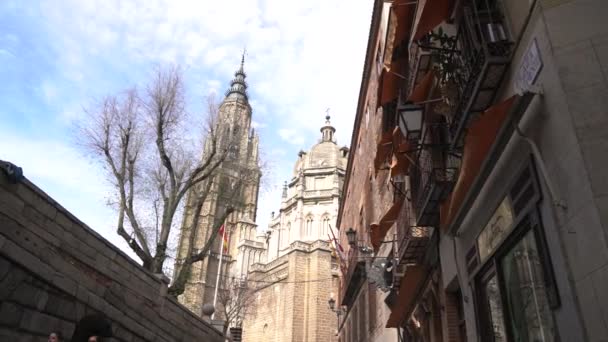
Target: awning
<point>383,150</point>
<point>398,30</point>
<point>376,235</point>
<point>390,39</point>
<point>378,230</point>
<point>430,14</point>
<point>408,291</point>
<point>481,134</point>
<point>422,90</point>
<point>401,162</point>
<point>399,26</point>
<point>391,214</point>
<point>389,83</point>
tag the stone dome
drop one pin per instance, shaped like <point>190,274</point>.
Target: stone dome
<point>325,153</point>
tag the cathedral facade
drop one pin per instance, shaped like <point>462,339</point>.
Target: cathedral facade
<point>289,270</point>
<point>301,273</point>
<point>236,184</point>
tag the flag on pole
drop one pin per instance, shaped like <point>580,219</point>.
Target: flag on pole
<point>222,251</point>
<point>335,253</point>
<point>339,251</point>
<point>222,232</point>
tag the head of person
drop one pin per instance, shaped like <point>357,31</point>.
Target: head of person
<point>55,337</point>
<point>94,339</point>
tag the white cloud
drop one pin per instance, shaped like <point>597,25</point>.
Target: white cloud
<point>61,172</point>
<point>291,136</point>
<point>302,57</point>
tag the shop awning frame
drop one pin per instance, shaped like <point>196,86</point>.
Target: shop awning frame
<point>518,108</point>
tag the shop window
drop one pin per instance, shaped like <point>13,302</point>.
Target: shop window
<point>525,295</point>
<point>515,286</point>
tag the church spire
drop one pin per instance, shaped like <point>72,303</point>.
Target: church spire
<point>238,86</point>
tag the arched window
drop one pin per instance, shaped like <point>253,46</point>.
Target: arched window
<point>309,222</point>
<point>324,226</point>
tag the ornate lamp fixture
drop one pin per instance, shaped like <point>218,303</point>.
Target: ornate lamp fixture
<point>339,311</point>
<point>410,120</point>
<point>351,235</point>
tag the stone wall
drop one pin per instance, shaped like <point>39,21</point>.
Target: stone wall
<point>291,301</point>
<point>54,270</point>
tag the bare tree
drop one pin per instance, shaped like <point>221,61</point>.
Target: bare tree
<point>236,299</point>
<point>231,188</point>
<point>140,139</point>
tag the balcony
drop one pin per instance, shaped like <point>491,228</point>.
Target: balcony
<point>433,176</point>
<point>412,240</point>
<point>422,58</point>
<point>476,65</point>
<point>353,278</point>
<point>319,193</point>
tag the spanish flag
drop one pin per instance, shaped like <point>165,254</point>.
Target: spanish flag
<point>224,240</point>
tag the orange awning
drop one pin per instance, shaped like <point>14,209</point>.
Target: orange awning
<point>389,86</point>
<point>383,150</point>
<point>422,90</point>
<point>430,14</point>
<point>376,236</point>
<point>401,162</point>
<point>378,231</point>
<point>402,14</point>
<point>408,291</point>
<point>398,30</point>
<point>477,143</point>
<point>390,39</point>
<point>391,214</point>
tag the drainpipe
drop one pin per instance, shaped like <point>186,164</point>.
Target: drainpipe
<point>540,163</point>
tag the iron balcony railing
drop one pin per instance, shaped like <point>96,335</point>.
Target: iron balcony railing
<point>476,65</point>
<point>412,240</point>
<point>432,176</point>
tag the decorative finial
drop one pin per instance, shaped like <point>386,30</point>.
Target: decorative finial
<point>243,56</point>
<point>327,117</point>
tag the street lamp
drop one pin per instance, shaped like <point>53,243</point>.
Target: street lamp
<point>410,120</point>
<point>339,311</point>
<point>332,304</point>
<point>351,236</point>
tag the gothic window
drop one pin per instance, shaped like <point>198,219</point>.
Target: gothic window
<point>309,222</point>
<point>324,226</point>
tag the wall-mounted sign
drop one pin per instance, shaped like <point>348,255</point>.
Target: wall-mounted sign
<point>529,68</point>
<point>496,230</point>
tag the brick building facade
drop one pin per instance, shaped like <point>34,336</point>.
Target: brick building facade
<point>479,137</point>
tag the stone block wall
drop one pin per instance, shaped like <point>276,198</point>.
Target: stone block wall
<point>291,301</point>
<point>54,270</point>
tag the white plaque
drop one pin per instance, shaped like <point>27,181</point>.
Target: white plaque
<point>529,68</point>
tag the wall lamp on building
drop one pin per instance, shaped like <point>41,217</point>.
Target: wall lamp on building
<point>338,311</point>
<point>410,117</point>
<point>410,120</point>
<point>351,235</point>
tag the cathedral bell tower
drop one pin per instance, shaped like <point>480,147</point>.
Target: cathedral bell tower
<point>237,137</point>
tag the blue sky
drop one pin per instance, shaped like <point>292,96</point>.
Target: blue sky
<point>57,57</point>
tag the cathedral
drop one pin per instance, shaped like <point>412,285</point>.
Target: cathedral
<point>241,244</point>
<point>289,269</point>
